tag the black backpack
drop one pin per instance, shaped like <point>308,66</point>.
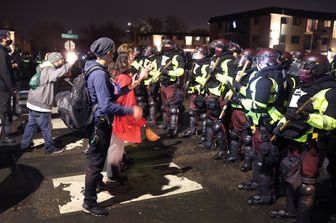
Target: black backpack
<point>75,107</point>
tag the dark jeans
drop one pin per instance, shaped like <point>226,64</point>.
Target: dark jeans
<point>96,159</point>
<point>43,120</point>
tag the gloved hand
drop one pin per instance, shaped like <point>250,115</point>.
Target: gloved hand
<point>276,130</point>
<point>237,86</point>
<point>165,72</point>
<point>293,116</point>
<point>236,100</point>
<point>212,74</point>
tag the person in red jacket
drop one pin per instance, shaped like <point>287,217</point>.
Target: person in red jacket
<point>125,128</point>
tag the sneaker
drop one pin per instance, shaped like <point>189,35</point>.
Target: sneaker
<point>54,151</point>
<point>95,210</point>
<point>121,179</point>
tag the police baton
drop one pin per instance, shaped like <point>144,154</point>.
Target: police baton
<point>228,98</point>
<point>288,122</point>
<point>212,70</point>
<point>240,74</point>
<point>238,79</point>
<point>156,77</point>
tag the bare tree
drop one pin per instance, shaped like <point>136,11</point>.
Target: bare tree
<point>150,25</point>
<point>174,24</point>
<point>46,36</point>
<point>110,30</point>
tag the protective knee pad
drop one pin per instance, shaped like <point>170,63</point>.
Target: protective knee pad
<point>307,190</point>
<point>192,122</point>
<point>174,110</point>
<point>151,102</point>
<point>174,117</point>
<point>247,140</point>
<point>203,116</point>
<point>234,135</point>
<point>208,123</point>
<point>192,113</point>
<point>217,127</point>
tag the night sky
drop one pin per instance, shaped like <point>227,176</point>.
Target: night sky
<point>73,14</point>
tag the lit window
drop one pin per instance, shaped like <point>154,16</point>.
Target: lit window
<point>234,24</point>
<point>327,23</point>
<point>334,32</point>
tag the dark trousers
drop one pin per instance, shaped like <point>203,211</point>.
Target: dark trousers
<point>43,120</point>
<point>4,114</point>
<point>96,156</point>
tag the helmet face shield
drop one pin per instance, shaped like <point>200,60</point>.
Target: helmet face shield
<point>200,53</point>
<point>266,57</point>
<point>198,56</point>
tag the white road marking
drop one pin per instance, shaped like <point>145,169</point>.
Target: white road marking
<point>182,183</point>
<point>58,123</point>
<point>76,144</point>
<point>74,185</point>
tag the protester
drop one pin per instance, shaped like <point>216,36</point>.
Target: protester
<point>41,100</point>
<point>101,94</point>
<point>6,87</point>
<point>125,128</point>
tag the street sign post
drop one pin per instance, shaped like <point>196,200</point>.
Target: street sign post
<point>69,45</point>
<point>69,36</point>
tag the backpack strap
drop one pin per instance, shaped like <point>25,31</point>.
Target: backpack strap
<point>92,69</point>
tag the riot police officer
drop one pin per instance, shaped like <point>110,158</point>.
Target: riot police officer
<point>306,133</point>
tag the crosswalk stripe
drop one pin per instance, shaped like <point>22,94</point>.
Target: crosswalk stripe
<point>74,186</point>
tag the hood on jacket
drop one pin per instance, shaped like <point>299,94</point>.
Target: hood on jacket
<point>43,65</point>
<point>91,63</point>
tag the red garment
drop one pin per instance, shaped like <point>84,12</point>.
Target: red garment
<point>127,128</point>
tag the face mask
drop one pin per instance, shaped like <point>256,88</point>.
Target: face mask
<point>218,51</point>
<point>167,48</point>
<point>305,75</point>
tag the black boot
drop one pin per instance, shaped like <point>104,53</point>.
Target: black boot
<point>163,124</point>
<point>152,115</point>
<point>248,159</point>
<point>248,186</point>
<point>172,129</point>
<point>116,176</point>
<point>203,129</point>
<point>234,153</point>
<point>305,203</point>
<point>208,138</point>
<point>291,203</point>
<point>192,125</point>
<point>265,195</point>
<point>220,155</point>
<point>221,143</point>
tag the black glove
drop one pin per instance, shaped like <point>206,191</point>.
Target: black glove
<point>276,130</point>
<point>213,74</point>
<point>293,116</point>
<point>237,86</point>
<point>165,72</point>
<point>236,100</point>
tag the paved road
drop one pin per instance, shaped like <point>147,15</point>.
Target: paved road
<point>171,181</point>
